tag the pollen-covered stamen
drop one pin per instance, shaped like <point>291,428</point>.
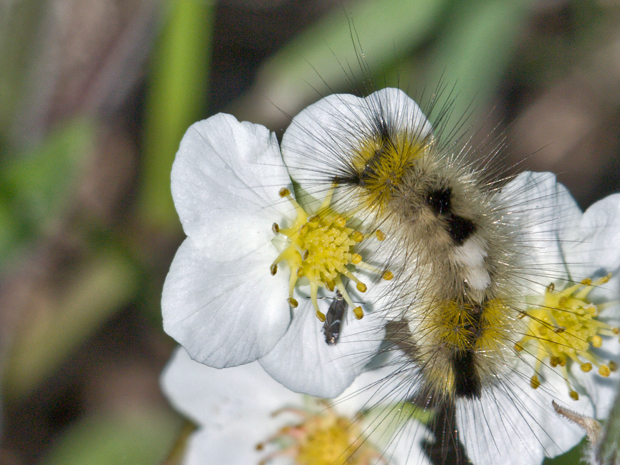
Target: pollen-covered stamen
<point>319,248</point>
<point>324,438</point>
<point>564,329</point>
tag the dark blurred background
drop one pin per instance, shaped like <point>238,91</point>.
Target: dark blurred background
<point>94,98</point>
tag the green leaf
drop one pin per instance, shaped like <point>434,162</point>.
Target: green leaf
<point>336,52</point>
<point>176,98</point>
<point>472,54</point>
<point>98,289</point>
<point>37,184</point>
<point>608,451</point>
<point>138,438</point>
<point>20,24</point>
<point>571,457</point>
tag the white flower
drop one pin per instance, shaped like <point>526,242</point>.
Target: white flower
<point>238,408</point>
<point>222,299</point>
<point>223,305</point>
<point>337,124</point>
<point>513,423</point>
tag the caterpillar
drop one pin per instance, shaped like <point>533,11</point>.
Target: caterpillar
<point>467,253</point>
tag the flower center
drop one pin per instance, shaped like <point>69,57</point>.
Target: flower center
<point>565,329</point>
<point>322,439</point>
<point>320,247</point>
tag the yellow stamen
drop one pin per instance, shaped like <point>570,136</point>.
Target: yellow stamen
<point>387,275</point>
<point>564,329</point>
<point>320,248</point>
<point>322,439</point>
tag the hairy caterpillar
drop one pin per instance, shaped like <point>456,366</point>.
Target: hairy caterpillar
<point>468,254</point>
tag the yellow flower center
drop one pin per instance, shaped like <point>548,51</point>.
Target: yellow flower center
<point>322,439</point>
<point>565,329</point>
<point>320,247</point>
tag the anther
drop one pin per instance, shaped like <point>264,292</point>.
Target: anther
<point>604,371</point>
<point>321,316</point>
<point>275,228</point>
<point>284,192</point>
<point>292,302</point>
<point>357,236</point>
<point>574,395</point>
<point>358,312</point>
<point>387,275</point>
<point>356,258</point>
<point>361,287</point>
<point>534,382</point>
<point>380,235</point>
<point>586,367</point>
<point>273,269</point>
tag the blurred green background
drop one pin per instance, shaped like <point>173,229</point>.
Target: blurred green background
<point>94,98</point>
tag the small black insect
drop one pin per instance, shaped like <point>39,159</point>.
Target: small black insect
<point>333,319</point>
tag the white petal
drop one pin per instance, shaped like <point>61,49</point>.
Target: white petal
<point>320,140</point>
<point>591,249</point>
<point>382,391</point>
<point>225,313</point>
<point>601,391</point>
<point>304,362</point>
<point>225,183</point>
<point>234,408</point>
<point>406,447</point>
<point>372,389</point>
<point>215,398</point>
<point>514,424</point>
<point>231,445</point>
<point>545,208</point>
<point>591,244</point>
